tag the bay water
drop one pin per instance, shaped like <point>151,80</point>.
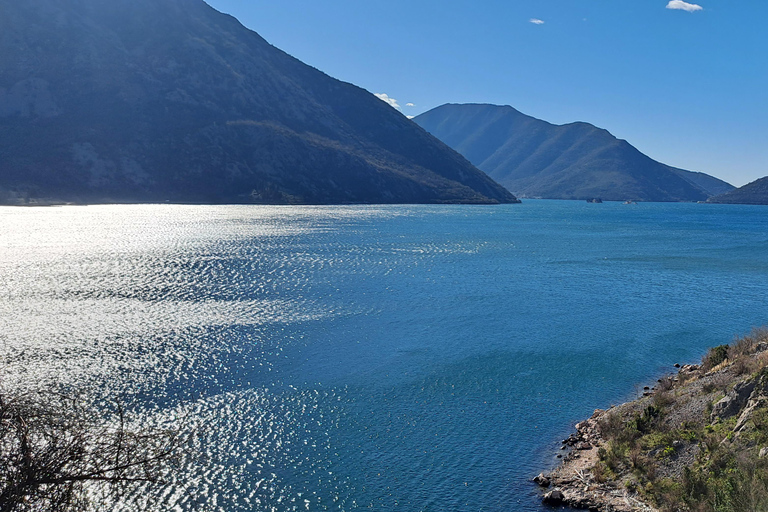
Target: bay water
<point>415,358</point>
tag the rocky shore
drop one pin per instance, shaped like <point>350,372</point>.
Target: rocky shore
<point>697,441</point>
<point>573,484</point>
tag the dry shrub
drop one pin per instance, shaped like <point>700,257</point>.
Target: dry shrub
<point>600,473</point>
<point>666,383</point>
<point>650,471</point>
<point>761,361</point>
<point>743,349</point>
<point>636,458</point>
<point>684,377</point>
<point>750,486</point>
<point>743,346</point>
<point>745,365</point>
<point>611,425</point>
<point>747,345</point>
<point>663,399</point>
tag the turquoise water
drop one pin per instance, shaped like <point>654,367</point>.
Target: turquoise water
<point>415,358</point>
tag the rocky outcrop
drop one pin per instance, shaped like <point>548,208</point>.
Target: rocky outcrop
<point>758,400</point>
<point>631,456</point>
<point>542,480</point>
<point>555,498</point>
<point>575,485</point>
<point>734,401</point>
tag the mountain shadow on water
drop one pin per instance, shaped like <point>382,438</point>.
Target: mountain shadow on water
<point>170,100</point>
<point>534,158</point>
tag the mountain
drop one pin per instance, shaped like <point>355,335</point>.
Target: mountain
<point>533,158</point>
<point>751,193</point>
<point>170,100</point>
<point>711,185</point>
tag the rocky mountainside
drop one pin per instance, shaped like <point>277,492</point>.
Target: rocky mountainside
<point>751,193</point>
<point>697,441</point>
<point>533,158</point>
<point>170,100</point>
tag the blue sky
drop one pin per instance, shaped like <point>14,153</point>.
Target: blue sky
<point>687,85</point>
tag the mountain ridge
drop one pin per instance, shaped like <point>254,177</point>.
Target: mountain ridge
<point>755,192</point>
<point>535,158</point>
<point>170,100</point>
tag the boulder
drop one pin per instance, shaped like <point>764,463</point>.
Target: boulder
<point>761,402</point>
<point>758,399</point>
<point>541,480</point>
<point>555,497</point>
<point>734,401</point>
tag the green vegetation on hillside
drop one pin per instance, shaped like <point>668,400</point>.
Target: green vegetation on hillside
<point>698,443</point>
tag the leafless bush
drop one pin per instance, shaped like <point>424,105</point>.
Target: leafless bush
<point>745,365</point>
<point>611,424</point>
<point>743,346</point>
<point>666,383</point>
<point>636,457</point>
<point>747,345</point>
<point>663,399</point>
<point>52,446</point>
<point>599,473</point>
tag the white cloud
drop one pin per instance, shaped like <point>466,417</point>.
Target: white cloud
<point>410,105</point>
<point>684,6</point>
<point>410,117</point>
<point>536,21</point>
<point>386,99</point>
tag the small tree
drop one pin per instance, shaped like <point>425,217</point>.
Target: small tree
<point>52,446</point>
<point>714,357</point>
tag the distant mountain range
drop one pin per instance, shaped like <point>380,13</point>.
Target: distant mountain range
<point>751,193</point>
<point>534,158</point>
<point>170,100</point>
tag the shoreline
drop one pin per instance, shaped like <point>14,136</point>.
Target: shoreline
<point>573,484</point>
<point>696,440</point>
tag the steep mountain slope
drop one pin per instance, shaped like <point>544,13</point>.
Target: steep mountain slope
<point>711,185</point>
<point>751,193</point>
<point>575,161</point>
<point>170,100</point>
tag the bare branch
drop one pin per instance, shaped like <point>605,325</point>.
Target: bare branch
<point>51,446</point>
